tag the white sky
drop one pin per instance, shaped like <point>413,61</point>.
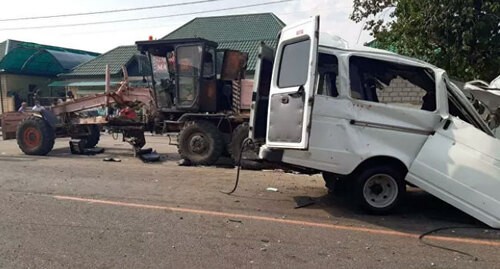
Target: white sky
<point>101,38</point>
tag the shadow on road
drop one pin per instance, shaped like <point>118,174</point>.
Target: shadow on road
<point>418,213</point>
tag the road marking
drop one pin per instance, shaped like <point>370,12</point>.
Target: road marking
<point>282,221</point>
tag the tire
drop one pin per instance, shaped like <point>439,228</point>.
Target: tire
<point>35,136</point>
<point>240,133</point>
<point>380,189</point>
<point>93,137</point>
<point>201,143</point>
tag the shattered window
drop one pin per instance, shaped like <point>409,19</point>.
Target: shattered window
<point>392,83</point>
<point>328,70</point>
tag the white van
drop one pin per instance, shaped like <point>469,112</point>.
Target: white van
<point>375,118</point>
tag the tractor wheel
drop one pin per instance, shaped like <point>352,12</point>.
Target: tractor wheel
<point>240,133</point>
<point>93,137</point>
<point>201,143</point>
<point>35,136</point>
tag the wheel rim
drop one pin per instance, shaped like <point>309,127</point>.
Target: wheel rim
<point>380,190</point>
<point>32,137</point>
<point>198,143</point>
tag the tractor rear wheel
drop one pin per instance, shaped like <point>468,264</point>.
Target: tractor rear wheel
<point>201,143</point>
<point>35,136</point>
<point>248,156</point>
<point>93,137</point>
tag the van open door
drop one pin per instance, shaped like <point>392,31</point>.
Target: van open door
<point>260,96</point>
<point>292,88</point>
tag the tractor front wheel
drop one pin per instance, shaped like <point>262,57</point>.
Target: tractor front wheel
<point>35,136</point>
<point>201,143</point>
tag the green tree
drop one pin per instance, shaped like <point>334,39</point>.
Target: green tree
<point>461,36</point>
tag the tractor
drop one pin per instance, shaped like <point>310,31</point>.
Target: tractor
<point>195,91</point>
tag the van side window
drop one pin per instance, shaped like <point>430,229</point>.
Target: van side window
<point>392,83</point>
<point>328,70</point>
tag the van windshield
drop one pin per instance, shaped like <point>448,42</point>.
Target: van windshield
<point>460,107</point>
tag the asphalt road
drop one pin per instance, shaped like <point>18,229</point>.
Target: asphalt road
<point>67,211</point>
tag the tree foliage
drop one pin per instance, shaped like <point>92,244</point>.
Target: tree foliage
<point>461,36</point>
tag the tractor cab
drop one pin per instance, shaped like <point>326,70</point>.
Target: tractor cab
<point>188,74</point>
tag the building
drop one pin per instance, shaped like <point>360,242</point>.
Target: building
<point>88,78</point>
<point>26,70</point>
<point>237,32</point>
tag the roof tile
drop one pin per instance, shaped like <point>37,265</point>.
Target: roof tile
<point>116,58</point>
<point>237,32</point>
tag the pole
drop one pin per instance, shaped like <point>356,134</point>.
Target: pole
<point>107,89</point>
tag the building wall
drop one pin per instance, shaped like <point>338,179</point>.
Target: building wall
<point>20,85</point>
<point>6,103</point>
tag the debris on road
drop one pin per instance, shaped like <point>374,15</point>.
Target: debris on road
<point>235,220</point>
<point>78,147</point>
<point>304,201</point>
<point>272,189</point>
<point>148,155</point>
<point>111,159</point>
<point>184,162</point>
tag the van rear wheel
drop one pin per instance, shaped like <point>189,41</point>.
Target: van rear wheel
<point>379,190</point>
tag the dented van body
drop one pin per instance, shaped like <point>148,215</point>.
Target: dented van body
<point>375,118</point>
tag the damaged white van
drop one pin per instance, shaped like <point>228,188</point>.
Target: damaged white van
<point>373,118</point>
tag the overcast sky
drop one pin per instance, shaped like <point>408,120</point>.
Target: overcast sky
<point>103,37</point>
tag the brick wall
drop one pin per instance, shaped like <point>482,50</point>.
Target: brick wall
<point>401,92</point>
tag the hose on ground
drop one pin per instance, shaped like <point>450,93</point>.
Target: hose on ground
<point>247,144</point>
<point>473,257</point>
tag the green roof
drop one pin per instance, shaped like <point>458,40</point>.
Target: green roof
<point>237,32</point>
<point>115,58</point>
<point>35,59</point>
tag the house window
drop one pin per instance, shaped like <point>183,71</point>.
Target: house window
<point>392,83</point>
<point>294,65</point>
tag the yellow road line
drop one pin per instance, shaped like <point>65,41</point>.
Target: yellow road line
<point>281,221</point>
